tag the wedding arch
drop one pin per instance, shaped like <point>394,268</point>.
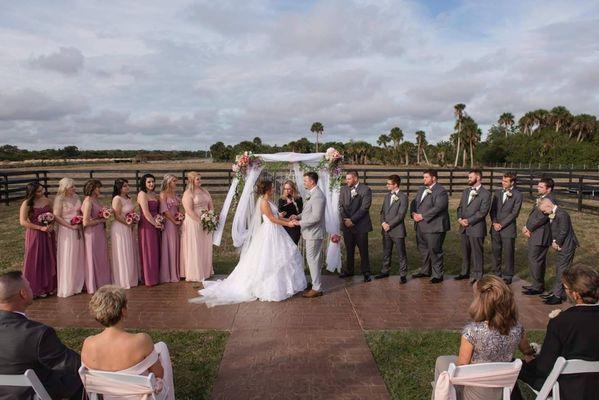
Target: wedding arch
<point>248,168</point>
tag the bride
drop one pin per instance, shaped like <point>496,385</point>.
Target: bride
<point>270,268</point>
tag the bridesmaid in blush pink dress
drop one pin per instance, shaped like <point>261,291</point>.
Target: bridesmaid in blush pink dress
<point>125,250</point>
<point>97,272</point>
<point>196,244</point>
<point>70,257</point>
<point>169,208</point>
<point>39,266</point>
<point>149,231</point>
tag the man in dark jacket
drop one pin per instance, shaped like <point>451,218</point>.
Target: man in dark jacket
<point>26,344</point>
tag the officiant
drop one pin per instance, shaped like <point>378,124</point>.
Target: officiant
<point>291,204</point>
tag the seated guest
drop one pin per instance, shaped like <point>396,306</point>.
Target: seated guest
<point>493,336</point>
<point>116,350</point>
<point>26,344</point>
<point>573,334</point>
<point>290,205</point>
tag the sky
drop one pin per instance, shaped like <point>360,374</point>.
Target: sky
<point>103,74</point>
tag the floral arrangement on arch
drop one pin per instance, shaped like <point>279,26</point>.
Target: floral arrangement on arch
<point>331,162</point>
<point>243,162</point>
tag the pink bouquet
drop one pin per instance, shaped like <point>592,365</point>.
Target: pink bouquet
<point>105,213</point>
<point>159,220</point>
<point>77,220</point>
<point>209,220</point>
<point>132,218</point>
<point>179,216</point>
<point>335,238</point>
<point>46,218</point>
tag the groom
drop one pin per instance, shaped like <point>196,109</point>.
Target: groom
<point>312,222</point>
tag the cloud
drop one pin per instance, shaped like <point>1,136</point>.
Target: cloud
<point>67,61</point>
<point>32,105</point>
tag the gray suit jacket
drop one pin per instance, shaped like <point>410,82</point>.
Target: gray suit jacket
<point>562,231</point>
<point>357,209</point>
<point>506,213</point>
<point>312,219</point>
<point>394,215</point>
<point>475,212</point>
<point>538,225</point>
<point>433,209</point>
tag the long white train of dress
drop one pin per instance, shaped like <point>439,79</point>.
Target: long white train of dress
<point>270,269</point>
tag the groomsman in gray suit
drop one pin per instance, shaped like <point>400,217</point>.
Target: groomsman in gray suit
<point>563,241</point>
<point>354,206</point>
<point>505,208</point>
<point>393,212</point>
<point>472,214</point>
<point>430,215</point>
<point>538,232</point>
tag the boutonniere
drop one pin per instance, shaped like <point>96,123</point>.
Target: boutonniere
<point>428,191</point>
<point>354,193</point>
<point>394,198</point>
<point>307,198</point>
<point>508,194</point>
<point>551,216</point>
<point>474,193</point>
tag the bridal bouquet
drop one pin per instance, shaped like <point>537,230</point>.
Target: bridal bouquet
<point>104,213</point>
<point>132,218</point>
<point>179,216</point>
<point>209,220</point>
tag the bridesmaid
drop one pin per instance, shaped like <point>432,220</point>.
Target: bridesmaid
<point>291,204</point>
<point>149,231</point>
<point>125,251</point>
<point>70,257</point>
<point>97,272</point>
<point>170,250</point>
<point>196,244</point>
<point>39,266</point>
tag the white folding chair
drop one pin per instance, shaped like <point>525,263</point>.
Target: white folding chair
<point>119,384</point>
<point>550,389</point>
<point>28,379</point>
<point>486,375</point>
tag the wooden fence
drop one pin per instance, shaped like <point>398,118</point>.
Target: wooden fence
<point>580,191</point>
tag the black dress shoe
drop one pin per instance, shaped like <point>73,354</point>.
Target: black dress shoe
<point>508,281</point>
<point>382,276</point>
<point>526,287</point>
<point>345,275</point>
<point>546,295</point>
<point>367,278</point>
<point>403,280</point>
<point>436,280</point>
<point>421,275</point>
<point>532,292</point>
<point>553,300</point>
<point>461,277</point>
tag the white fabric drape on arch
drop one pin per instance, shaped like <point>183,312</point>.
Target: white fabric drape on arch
<point>245,206</point>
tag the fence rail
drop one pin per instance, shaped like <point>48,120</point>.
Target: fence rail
<point>579,190</point>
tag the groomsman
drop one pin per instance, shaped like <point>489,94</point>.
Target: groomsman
<point>505,208</point>
<point>563,241</point>
<point>354,206</point>
<point>430,215</point>
<point>393,212</point>
<point>538,232</point>
<point>472,213</point>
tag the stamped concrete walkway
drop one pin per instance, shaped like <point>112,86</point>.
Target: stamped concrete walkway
<point>299,348</point>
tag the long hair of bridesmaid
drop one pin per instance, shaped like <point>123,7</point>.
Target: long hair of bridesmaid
<point>142,183</point>
<point>118,186</point>
<point>166,181</point>
<point>30,191</point>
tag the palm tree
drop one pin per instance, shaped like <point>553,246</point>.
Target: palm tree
<point>396,135</point>
<point>506,120</point>
<point>421,143</point>
<point>540,119</point>
<point>585,125</point>
<point>383,140</point>
<point>560,116</point>
<point>318,129</point>
<point>458,111</point>
<point>526,122</point>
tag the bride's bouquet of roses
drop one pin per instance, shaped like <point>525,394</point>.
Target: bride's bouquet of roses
<point>132,218</point>
<point>104,213</point>
<point>209,220</point>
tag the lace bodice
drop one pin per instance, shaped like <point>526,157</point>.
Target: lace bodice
<point>71,206</point>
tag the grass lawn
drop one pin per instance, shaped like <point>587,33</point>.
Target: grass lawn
<point>195,356</point>
<point>406,359</point>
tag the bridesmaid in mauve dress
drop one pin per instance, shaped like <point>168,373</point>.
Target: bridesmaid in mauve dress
<point>196,244</point>
<point>39,266</point>
<point>125,250</point>
<point>171,247</point>
<point>97,272</point>
<point>70,257</point>
<point>149,231</point>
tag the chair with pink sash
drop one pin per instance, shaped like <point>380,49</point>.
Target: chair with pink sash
<point>134,383</point>
<point>488,375</point>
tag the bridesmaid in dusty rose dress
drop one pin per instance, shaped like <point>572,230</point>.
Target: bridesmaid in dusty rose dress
<point>196,244</point>
<point>171,243</point>
<point>125,250</point>
<point>39,266</point>
<point>70,257</point>
<point>149,231</point>
<point>97,272</point>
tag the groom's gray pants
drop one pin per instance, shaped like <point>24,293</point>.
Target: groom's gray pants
<point>314,257</point>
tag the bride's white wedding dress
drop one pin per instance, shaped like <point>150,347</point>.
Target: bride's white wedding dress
<point>271,268</point>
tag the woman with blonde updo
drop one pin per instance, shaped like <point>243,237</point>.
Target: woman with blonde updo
<point>196,243</point>
<point>70,254</point>
<point>493,335</point>
<point>171,243</point>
